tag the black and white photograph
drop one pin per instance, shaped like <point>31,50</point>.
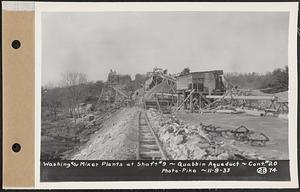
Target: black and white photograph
<point>165,86</point>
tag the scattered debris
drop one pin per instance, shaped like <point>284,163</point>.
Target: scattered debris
<point>242,133</point>
<point>63,137</point>
<point>205,142</point>
<point>159,95</point>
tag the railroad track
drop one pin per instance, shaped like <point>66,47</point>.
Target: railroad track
<point>149,147</point>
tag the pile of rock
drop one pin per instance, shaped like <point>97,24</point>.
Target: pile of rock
<point>184,142</point>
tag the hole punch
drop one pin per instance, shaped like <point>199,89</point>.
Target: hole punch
<point>16,147</point>
<point>16,44</point>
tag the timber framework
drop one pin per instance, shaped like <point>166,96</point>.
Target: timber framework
<point>193,88</point>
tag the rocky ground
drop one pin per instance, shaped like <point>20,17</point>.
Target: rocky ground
<point>113,135</point>
<point>275,128</point>
<point>183,137</point>
<point>64,136</point>
<point>117,140</point>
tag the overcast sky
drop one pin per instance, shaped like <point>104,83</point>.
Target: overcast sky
<point>135,42</point>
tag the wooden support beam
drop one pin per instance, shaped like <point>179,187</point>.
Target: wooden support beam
<point>200,103</point>
<point>184,99</point>
<point>159,108</point>
<point>242,97</point>
<point>215,101</point>
<point>204,98</point>
<point>191,103</point>
<point>164,94</point>
<point>184,102</point>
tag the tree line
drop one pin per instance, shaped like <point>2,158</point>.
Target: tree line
<point>74,89</point>
<point>270,82</point>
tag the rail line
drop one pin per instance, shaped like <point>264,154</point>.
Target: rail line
<point>149,147</point>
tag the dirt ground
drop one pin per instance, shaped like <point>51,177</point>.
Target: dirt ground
<point>117,139</point>
<point>276,129</point>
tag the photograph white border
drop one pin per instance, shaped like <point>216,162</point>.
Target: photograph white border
<point>291,7</point>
